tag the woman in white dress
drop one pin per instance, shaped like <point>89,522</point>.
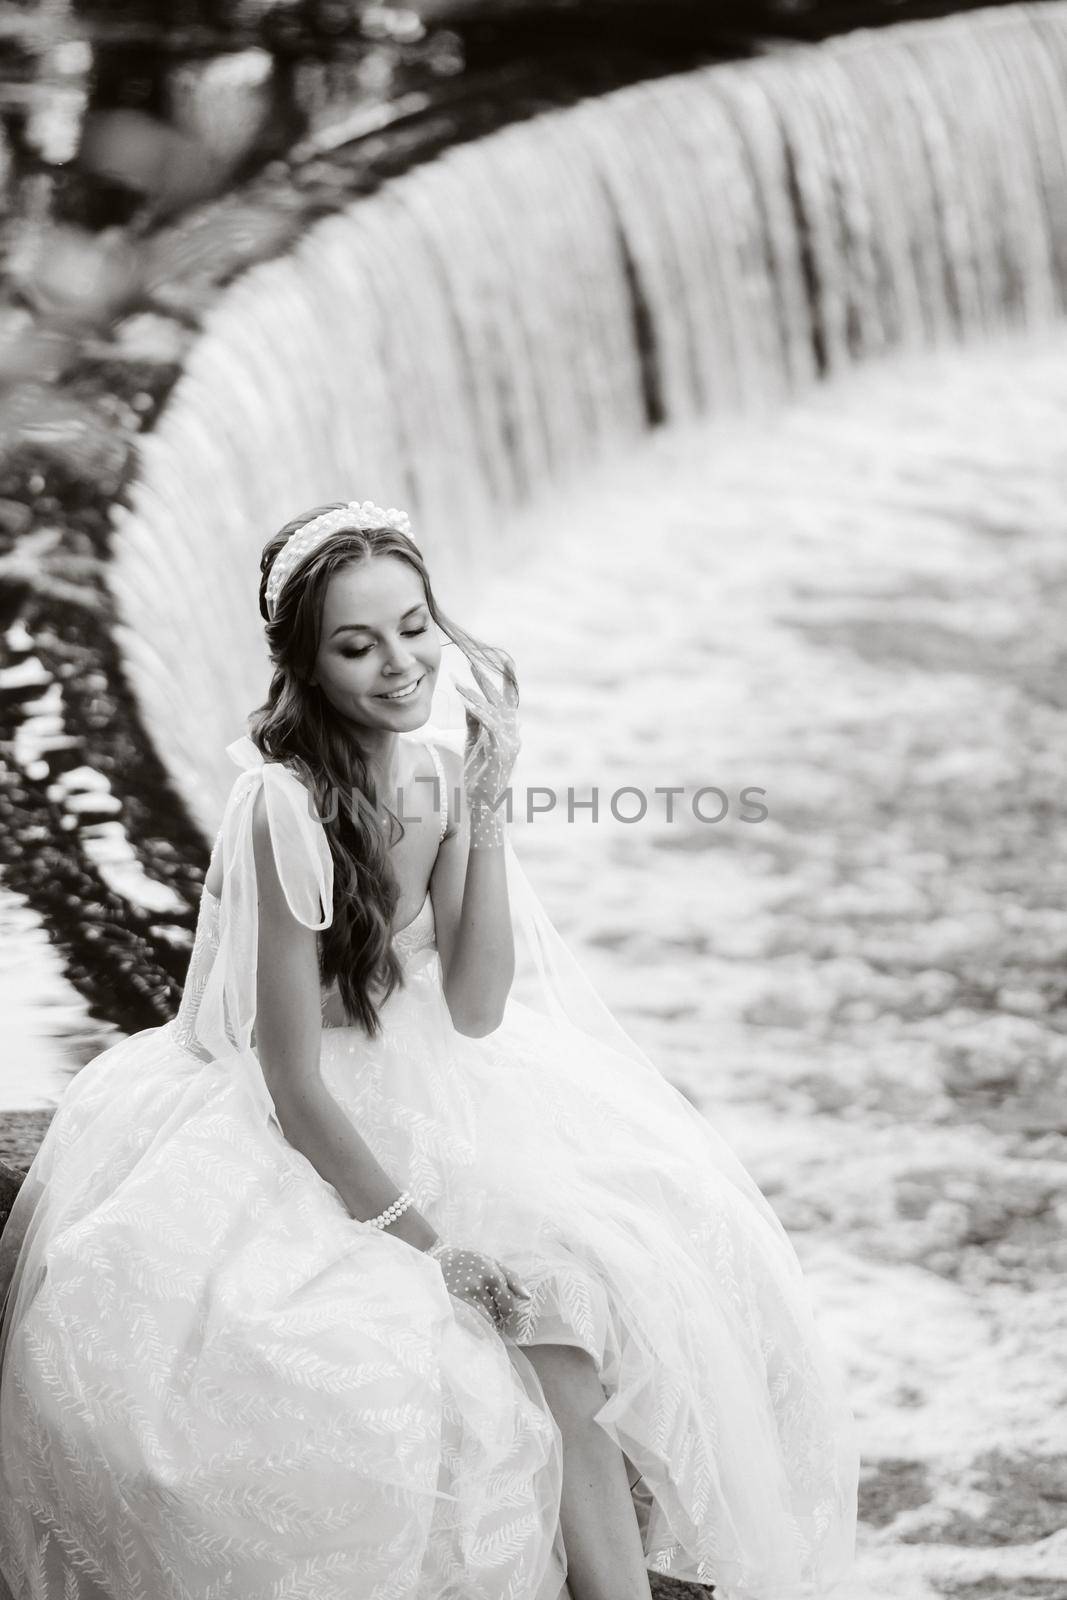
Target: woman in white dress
<point>391,1267</point>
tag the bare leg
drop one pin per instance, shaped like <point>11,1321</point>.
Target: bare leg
<point>605,1558</point>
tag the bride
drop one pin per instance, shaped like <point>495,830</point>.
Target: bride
<point>392,1267</point>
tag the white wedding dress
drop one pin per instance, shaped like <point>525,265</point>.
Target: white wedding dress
<point>218,1385</point>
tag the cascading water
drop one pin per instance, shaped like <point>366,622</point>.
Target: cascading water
<point>489,323</point>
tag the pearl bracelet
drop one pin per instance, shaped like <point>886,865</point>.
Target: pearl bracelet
<point>391,1213</point>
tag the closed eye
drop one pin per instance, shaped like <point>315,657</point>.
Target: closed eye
<point>365,649</point>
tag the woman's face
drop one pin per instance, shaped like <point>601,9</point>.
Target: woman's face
<point>378,637</point>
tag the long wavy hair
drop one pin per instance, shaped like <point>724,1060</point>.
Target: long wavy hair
<point>298,727</point>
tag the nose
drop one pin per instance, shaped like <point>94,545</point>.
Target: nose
<point>400,658</point>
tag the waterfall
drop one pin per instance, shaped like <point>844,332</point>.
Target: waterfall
<point>489,323</point>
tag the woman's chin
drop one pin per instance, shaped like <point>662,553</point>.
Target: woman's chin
<point>408,721</point>
<point>413,709</point>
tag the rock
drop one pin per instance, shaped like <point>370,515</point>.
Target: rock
<point>15,517</point>
<point>10,1183</point>
<point>149,337</point>
<point>21,1133</point>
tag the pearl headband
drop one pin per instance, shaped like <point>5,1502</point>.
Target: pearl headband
<point>356,515</point>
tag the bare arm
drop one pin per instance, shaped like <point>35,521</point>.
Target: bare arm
<point>473,920</point>
<point>288,1039</point>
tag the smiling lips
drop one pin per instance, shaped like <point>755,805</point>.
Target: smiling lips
<point>402,694</point>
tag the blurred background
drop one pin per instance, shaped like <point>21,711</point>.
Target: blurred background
<point>718,353</point>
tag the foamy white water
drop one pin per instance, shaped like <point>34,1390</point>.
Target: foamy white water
<point>855,604</point>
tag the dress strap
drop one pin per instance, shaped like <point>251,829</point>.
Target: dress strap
<point>443,783</point>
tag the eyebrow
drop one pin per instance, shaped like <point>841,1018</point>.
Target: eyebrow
<point>365,627</point>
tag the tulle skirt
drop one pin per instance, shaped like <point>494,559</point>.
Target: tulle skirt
<point>216,1383</point>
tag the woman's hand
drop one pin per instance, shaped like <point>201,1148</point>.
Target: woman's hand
<point>482,1282</point>
<point>492,748</point>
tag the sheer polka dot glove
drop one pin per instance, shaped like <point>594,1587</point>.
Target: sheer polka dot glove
<point>482,1282</point>
<point>492,749</point>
